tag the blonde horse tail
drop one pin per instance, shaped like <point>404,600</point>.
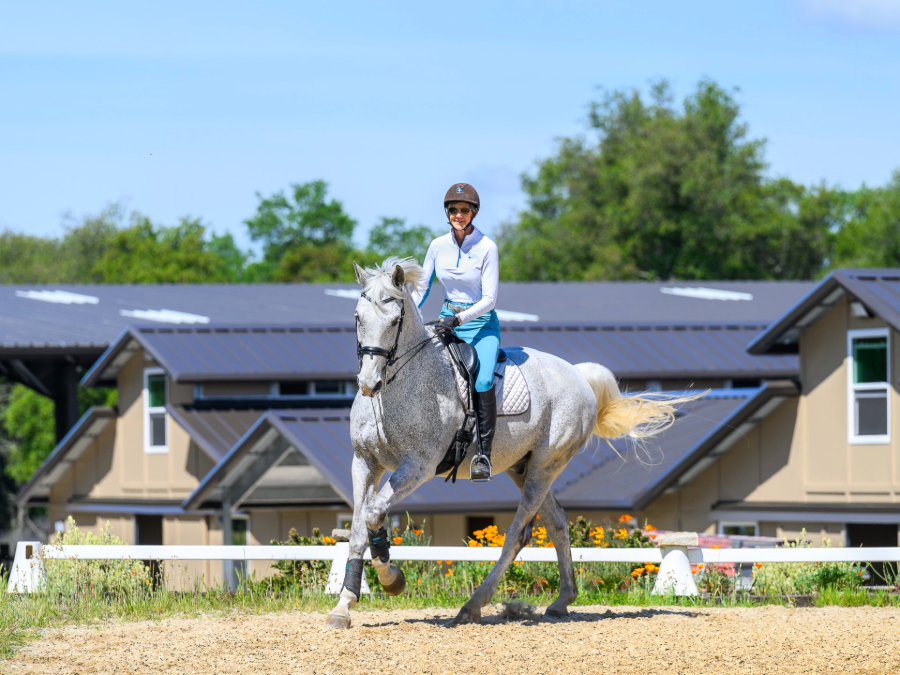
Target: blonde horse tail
<point>639,416</point>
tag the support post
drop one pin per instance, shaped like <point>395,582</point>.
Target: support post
<point>228,569</point>
<point>675,571</point>
<point>65,399</point>
<point>27,574</point>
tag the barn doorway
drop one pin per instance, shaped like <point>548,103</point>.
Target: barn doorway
<point>875,534</point>
<point>149,532</point>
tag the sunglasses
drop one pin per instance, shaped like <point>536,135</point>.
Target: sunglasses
<point>452,210</point>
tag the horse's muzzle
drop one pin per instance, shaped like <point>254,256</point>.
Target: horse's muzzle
<point>371,391</point>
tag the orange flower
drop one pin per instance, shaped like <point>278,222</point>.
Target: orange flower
<point>624,518</point>
<point>715,546</point>
<point>758,565</point>
<point>549,544</point>
<point>478,534</point>
<point>537,517</point>
<point>449,573</point>
<point>328,540</point>
<point>649,528</point>
<point>439,562</point>
<point>420,582</point>
<point>417,532</point>
<point>449,562</point>
<point>397,540</point>
<point>475,544</point>
<point>580,569</point>
<point>637,572</point>
<point>622,533</point>
<point>653,536</point>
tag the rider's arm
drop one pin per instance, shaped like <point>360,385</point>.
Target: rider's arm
<point>419,297</point>
<point>490,282</point>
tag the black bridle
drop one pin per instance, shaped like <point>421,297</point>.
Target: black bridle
<point>380,351</point>
<point>389,354</point>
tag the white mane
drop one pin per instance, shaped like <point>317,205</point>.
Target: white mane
<point>379,285</point>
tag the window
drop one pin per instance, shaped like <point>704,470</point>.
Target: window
<point>868,394</point>
<point>333,388</point>
<point>747,529</point>
<point>156,437</point>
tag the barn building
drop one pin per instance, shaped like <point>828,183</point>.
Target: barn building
<point>234,426</point>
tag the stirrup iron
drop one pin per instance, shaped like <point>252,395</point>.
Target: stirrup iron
<point>490,469</point>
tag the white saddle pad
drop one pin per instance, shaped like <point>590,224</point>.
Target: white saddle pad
<point>513,397</point>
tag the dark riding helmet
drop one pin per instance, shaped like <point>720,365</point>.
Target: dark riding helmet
<point>462,192</point>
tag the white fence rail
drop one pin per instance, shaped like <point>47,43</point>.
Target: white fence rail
<point>673,555</point>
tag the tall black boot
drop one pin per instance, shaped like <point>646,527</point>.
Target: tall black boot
<point>486,409</point>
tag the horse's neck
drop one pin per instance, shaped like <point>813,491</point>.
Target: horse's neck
<point>422,354</point>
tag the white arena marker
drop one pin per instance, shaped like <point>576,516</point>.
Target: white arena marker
<point>706,293</point>
<point>343,293</point>
<point>164,315</point>
<point>506,315</point>
<point>59,297</point>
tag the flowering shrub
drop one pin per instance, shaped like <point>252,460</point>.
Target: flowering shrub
<point>98,578</point>
<point>310,575</point>
<point>804,578</point>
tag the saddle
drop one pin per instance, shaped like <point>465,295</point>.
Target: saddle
<point>513,397</point>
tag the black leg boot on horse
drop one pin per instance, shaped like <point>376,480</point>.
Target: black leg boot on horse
<point>486,409</point>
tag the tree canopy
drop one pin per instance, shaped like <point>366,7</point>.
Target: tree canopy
<point>657,191</point>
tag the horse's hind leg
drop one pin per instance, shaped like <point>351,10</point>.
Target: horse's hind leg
<point>554,518</point>
<point>535,486</point>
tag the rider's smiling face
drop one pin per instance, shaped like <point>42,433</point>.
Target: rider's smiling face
<point>460,221</point>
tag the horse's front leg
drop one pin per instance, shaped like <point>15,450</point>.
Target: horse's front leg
<point>366,476</point>
<point>408,476</point>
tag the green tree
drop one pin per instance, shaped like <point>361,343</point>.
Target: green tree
<point>391,236</point>
<point>29,426</point>
<point>870,236</point>
<point>305,236</point>
<point>144,253</point>
<point>663,193</point>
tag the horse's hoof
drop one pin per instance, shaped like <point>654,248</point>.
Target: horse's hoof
<point>556,614</point>
<point>465,616</point>
<point>398,585</point>
<point>338,621</point>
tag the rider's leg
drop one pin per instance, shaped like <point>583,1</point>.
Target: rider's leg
<point>365,487</point>
<point>487,345</point>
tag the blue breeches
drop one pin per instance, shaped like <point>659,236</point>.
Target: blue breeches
<point>483,333</point>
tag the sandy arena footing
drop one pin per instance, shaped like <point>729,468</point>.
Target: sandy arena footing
<point>594,640</point>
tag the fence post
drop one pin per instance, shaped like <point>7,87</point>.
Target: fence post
<point>675,571</point>
<point>339,564</point>
<point>27,574</point>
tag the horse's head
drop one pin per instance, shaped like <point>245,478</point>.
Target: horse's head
<point>380,313</point>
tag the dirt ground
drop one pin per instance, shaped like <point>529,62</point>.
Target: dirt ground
<point>594,640</point>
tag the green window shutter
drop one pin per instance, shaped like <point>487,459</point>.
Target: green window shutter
<point>870,360</point>
<point>156,389</point>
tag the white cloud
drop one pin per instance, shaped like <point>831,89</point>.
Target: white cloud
<point>868,13</point>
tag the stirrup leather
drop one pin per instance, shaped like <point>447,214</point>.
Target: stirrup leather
<point>490,469</point>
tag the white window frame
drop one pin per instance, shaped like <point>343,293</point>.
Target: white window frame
<point>154,449</point>
<point>852,437</point>
<point>738,523</point>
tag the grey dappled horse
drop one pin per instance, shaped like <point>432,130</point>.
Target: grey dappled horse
<point>408,410</point>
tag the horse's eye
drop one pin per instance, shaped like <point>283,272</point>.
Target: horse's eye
<point>395,321</point>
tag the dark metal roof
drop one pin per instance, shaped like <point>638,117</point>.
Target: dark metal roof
<point>596,478</point>
<point>877,289</point>
<point>215,431</point>
<point>207,354</point>
<point>62,319</point>
<point>69,449</point>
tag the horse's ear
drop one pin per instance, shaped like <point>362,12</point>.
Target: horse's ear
<point>398,278</point>
<point>361,275</point>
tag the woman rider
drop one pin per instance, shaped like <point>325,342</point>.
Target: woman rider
<point>467,265</point>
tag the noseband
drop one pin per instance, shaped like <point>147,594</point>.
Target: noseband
<point>389,354</point>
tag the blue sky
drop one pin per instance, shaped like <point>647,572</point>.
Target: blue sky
<point>191,108</point>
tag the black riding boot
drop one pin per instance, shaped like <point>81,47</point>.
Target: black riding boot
<point>486,409</point>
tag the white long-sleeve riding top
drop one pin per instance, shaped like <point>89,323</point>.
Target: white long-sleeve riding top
<point>469,273</point>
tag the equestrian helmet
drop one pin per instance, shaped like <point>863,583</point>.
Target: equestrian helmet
<point>462,192</point>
